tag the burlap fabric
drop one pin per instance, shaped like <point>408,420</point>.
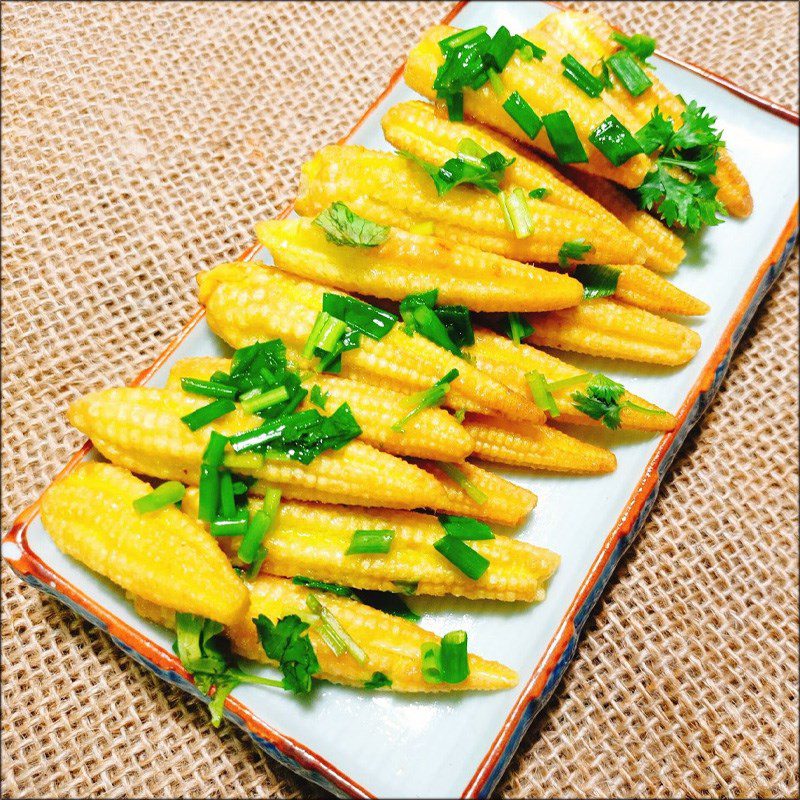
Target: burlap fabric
<point>140,143</point>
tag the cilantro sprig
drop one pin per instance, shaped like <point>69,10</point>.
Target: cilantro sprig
<point>346,228</point>
<point>287,643</point>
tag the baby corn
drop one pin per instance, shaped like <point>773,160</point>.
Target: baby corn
<point>392,644</point>
<point>247,302</point>
<point>641,287</point>
<point>414,127</point>
<point>536,446</point>
<point>588,37</point>
<point>509,363</point>
<point>140,428</point>
<point>410,262</point>
<point>162,556</point>
<point>607,328</point>
<point>433,433</point>
<point>392,190</point>
<point>546,90</point>
<point>312,540</point>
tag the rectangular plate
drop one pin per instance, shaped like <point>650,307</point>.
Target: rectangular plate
<point>392,745</point>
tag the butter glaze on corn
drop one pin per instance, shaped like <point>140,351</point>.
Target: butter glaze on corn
<point>163,556</point>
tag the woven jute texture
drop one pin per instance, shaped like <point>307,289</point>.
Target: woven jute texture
<point>140,142</point>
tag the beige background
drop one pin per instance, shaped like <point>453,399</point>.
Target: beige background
<point>141,141</point>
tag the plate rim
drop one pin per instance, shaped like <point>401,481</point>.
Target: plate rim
<point>551,665</point>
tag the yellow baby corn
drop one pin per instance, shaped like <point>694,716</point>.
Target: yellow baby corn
<point>248,302</point>
<point>392,644</point>
<point>643,288</point>
<point>433,433</point>
<point>545,89</point>
<point>140,428</point>
<point>664,248</point>
<point>536,446</point>
<point>312,540</point>
<point>411,262</point>
<point>607,328</point>
<point>392,190</point>
<point>588,37</point>
<point>509,363</point>
<point>502,502</point>
<point>415,127</point>
<point>163,556</point>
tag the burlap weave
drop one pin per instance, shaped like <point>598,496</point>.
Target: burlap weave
<point>140,143</point>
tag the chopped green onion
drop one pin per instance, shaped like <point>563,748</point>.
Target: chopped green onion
<point>468,487</point>
<point>428,398</point>
<point>333,588</point>
<point>469,150</point>
<point>258,560</point>
<point>165,495</point>
<point>430,662</point>
<point>259,525</point>
<point>465,528</point>
<point>575,250</point>
<point>453,657</point>
<point>638,45</point>
<point>637,407</point>
<point>215,450</point>
<point>252,405</point>
<point>581,77</point>
<point>630,74</point>
<point>346,228</point>
<point>501,49</point>
<point>363,317</point>
<point>462,556</point>
<point>517,212</point>
<point>567,383</point>
<point>204,415</point>
<point>378,681</point>
<point>521,112</point>
<point>541,393</point>
<point>313,337</point>
<point>615,141</point>
<point>209,492</point>
<point>208,388</point>
<point>388,602</point>
<point>461,38</point>
<point>318,397</point>
<point>535,51</point>
<point>226,499</point>
<point>406,587</point>
<point>564,138</point>
<point>517,327</point>
<point>497,83</point>
<point>538,194</point>
<point>235,525</point>
<point>329,336</point>
<point>455,106</point>
<point>369,542</point>
<point>598,280</point>
<point>333,629</point>
<point>459,414</point>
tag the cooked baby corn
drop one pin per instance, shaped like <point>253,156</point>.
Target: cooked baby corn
<point>140,428</point>
<point>588,37</point>
<point>163,556</point>
<point>312,540</point>
<point>247,302</point>
<point>411,262</point>
<point>664,247</point>
<point>607,328</point>
<point>536,446</point>
<point>433,433</point>
<point>509,362</point>
<point>546,90</point>
<point>392,190</point>
<point>641,287</point>
<point>414,126</point>
<point>392,644</point>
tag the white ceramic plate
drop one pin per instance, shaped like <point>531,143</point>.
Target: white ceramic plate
<point>390,745</point>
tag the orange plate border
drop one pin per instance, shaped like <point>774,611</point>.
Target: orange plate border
<point>550,668</point>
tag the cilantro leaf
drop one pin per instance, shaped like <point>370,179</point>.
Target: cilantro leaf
<point>601,400</point>
<point>691,204</point>
<point>697,130</point>
<point>285,643</point>
<point>656,133</point>
<point>344,227</point>
<point>378,681</point>
<point>598,280</point>
<point>484,172</point>
<point>575,250</point>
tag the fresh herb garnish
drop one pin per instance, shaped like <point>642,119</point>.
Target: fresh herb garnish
<point>358,315</point>
<point>333,588</point>
<point>638,45</point>
<point>601,400</point>
<point>205,415</point>
<point>462,556</point>
<point>332,632</point>
<point>538,194</point>
<point>475,493</point>
<point>575,250</point>
<point>518,108</point>
<point>318,397</point>
<point>370,542</point>
<point>690,204</point>
<point>346,228</point>
<point>445,662</point>
<point>564,138</point>
<point>615,141</point>
<point>465,528</point>
<point>581,77</point>
<point>287,643</point>
<point>448,326</point>
<point>516,212</point>
<point>516,327</point>
<point>598,280</point>
<point>259,524</point>
<point>378,681</point>
<point>629,73</point>
<point>166,494</point>
<point>541,393</point>
<point>656,133</point>
<point>426,399</point>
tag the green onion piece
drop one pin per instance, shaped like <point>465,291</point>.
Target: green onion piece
<point>406,587</point>
<point>459,414</point>
<point>630,74</point>
<point>363,317</point>
<point>430,662</point>
<point>517,327</point>
<point>219,376</point>
<point>208,388</point>
<point>206,414</point>
<point>333,588</point>
<point>521,43</point>
<point>368,542</point>
<point>427,322</point>
<point>258,403</point>
<point>318,397</point>
<point>497,83</point>
<point>567,383</point>
<point>329,336</point>
<point>541,393</point>
<point>255,567</point>
<point>388,602</point>
<point>453,657</point>
<point>500,49</point>
<point>249,393</point>
<point>638,45</point>
<point>503,200</point>
<point>521,112</point>
<point>227,501</point>
<point>468,487</point>
<point>465,528</point>
<point>455,107</point>
<point>461,38</point>
<point>346,228</point>
<point>575,250</point>
<point>215,449</point>
<point>581,77</point>
<point>235,525</point>
<point>469,150</point>
<point>615,141</point>
<point>519,213</point>
<point>564,138</point>
<point>259,525</point>
<point>209,492</point>
<point>462,556</point>
<point>165,495</point>
<point>637,407</point>
<point>538,194</point>
<point>313,337</point>
<point>333,625</point>
<point>430,397</point>
<point>239,488</point>
<point>598,280</point>
<point>378,681</point>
